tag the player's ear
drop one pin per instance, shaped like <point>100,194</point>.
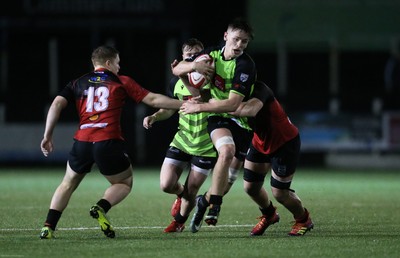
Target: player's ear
<point>225,35</point>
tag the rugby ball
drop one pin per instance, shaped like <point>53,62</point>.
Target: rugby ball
<point>196,79</point>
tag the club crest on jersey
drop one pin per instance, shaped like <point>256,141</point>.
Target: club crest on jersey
<point>244,77</point>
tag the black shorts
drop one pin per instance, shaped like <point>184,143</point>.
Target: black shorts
<point>199,161</point>
<point>242,137</point>
<point>109,156</point>
<point>283,161</point>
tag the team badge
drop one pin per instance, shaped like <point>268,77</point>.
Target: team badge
<point>244,77</point>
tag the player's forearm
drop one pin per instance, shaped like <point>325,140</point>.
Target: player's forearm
<point>249,108</point>
<point>220,106</point>
<point>163,114</point>
<point>58,104</point>
<point>52,118</point>
<point>183,68</point>
<point>160,101</point>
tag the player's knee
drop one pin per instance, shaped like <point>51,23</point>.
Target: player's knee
<point>166,187</point>
<point>226,148</point>
<point>252,181</point>
<point>280,190</point>
<point>226,153</point>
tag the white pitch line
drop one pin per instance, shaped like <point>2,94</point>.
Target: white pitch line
<point>123,228</point>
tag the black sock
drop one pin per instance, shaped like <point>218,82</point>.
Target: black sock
<point>181,219</point>
<point>269,211</point>
<point>104,204</point>
<point>216,199</point>
<point>304,218</point>
<point>53,216</point>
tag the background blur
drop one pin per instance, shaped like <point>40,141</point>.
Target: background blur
<point>334,65</point>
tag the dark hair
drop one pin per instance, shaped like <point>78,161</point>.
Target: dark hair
<point>192,42</point>
<point>241,24</point>
<point>103,53</point>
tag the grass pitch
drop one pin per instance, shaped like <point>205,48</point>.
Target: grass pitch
<point>356,214</point>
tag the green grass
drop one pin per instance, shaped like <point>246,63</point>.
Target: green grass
<point>356,214</point>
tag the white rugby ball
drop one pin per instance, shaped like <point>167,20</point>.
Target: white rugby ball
<point>196,79</point>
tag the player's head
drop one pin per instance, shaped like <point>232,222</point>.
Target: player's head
<point>191,47</point>
<point>237,37</point>
<point>106,57</point>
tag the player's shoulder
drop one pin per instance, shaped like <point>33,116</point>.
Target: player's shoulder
<point>261,90</point>
<point>125,78</point>
<point>214,51</point>
<point>174,80</point>
<point>245,57</point>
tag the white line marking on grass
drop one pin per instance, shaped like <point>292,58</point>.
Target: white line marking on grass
<point>123,228</point>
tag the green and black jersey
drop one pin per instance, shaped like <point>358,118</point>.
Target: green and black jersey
<point>192,136</point>
<point>237,75</point>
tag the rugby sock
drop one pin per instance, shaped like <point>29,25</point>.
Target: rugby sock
<point>303,218</point>
<point>53,216</point>
<point>104,204</point>
<point>180,219</point>
<point>269,211</point>
<point>216,199</point>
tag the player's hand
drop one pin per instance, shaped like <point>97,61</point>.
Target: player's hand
<point>204,68</point>
<point>148,121</point>
<point>195,100</point>
<point>189,108</point>
<point>46,146</point>
<point>174,63</point>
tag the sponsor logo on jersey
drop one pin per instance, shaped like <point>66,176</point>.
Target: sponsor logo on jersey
<point>93,125</point>
<point>98,79</point>
<point>219,82</point>
<point>94,118</point>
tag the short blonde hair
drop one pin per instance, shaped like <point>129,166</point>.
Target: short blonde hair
<point>103,53</point>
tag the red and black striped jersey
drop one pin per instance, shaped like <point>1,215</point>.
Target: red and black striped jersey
<point>272,127</point>
<point>99,97</point>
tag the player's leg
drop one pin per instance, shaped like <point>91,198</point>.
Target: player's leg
<point>175,162</point>
<point>234,170</point>
<point>170,173</point>
<point>200,169</point>
<point>256,167</point>
<point>242,138</point>
<point>223,142</point>
<point>197,176</point>
<point>169,182</point>
<point>60,200</point>
<point>79,163</point>
<point>65,190</point>
<point>284,163</point>
<point>115,166</point>
<point>280,187</point>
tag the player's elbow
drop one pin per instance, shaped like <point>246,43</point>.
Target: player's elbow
<point>234,106</point>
